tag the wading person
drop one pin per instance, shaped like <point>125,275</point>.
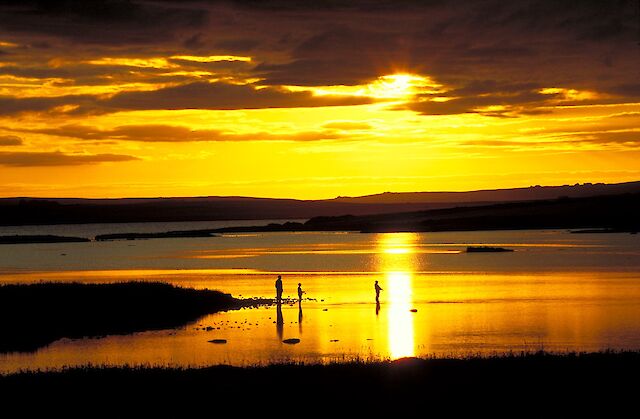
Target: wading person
<point>279,288</point>
<point>378,289</point>
<point>300,292</point>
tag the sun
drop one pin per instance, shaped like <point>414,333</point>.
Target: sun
<point>398,86</point>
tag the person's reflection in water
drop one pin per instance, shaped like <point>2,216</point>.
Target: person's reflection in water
<point>377,307</point>
<point>300,292</point>
<point>279,321</point>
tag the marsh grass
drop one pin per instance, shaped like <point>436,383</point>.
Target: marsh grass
<point>539,384</point>
<point>35,315</point>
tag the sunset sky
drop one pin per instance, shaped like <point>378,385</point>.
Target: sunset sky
<point>315,99</point>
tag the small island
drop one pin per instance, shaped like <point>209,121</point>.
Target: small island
<point>30,239</point>
<point>487,249</point>
<point>604,231</point>
<point>161,235</point>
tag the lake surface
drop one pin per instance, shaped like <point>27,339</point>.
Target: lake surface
<point>557,291</point>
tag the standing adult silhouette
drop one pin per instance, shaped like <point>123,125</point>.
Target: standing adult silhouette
<point>378,289</point>
<point>279,288</point>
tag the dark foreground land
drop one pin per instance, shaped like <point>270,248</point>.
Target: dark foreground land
<point>35,315</point>
<point>534,385</point>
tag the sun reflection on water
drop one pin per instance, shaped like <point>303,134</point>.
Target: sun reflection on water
<point>397,260</point>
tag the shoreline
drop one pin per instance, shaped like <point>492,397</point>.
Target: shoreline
<point>536,385</point>
<point>42,313</point>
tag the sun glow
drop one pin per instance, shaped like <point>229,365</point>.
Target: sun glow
<point>397,86</point>
<point>390,87</point>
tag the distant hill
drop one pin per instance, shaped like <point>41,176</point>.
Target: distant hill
<point>23,211</point>
<point>609,212</point>
<point>530,193</point>
<point>597,214</point>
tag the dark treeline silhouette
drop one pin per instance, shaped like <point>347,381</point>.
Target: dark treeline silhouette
<point>35,315</point>
<point>534,385</point>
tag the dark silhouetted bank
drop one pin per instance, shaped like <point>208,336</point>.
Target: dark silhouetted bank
<point>529,385</point>
<point>35,315</point>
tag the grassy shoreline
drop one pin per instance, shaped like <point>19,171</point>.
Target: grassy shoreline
<point>535,384</point>
<point>41,313</point>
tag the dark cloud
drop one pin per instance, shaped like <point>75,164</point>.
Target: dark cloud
<point>340,56</point>
<point>541,42</point>
<point>10,105</point>
<point>101,21</point>
<point>223,97</point>
<point>194,42</point>
<point>627,89</point>
<point>57,158</point>
<point>10,140</point>
<point>229,67</point>
<point>78,73</point>
<point>486,97</point>
<point>200,95</point>
<point>237,45</point>
<point>586,45</point>
<point>175,134</point>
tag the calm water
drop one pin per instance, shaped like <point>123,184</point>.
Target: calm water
<point>558,291</point>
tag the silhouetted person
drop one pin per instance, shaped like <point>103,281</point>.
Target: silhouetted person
<point>279,320</point>
<point>378,289</point>
<point>300,292</point>
<point>377,307</point>
<point>279,288</point>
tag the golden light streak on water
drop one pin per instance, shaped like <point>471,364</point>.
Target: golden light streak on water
<point>398,261</point>
<point>400,326</point>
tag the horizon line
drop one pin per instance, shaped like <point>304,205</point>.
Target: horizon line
<point>326,199</point>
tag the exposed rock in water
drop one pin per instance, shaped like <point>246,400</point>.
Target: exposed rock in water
<point>292,341</point>
<point>218,341</point>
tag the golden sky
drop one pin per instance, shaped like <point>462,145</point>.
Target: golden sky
<point>289,99</point>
